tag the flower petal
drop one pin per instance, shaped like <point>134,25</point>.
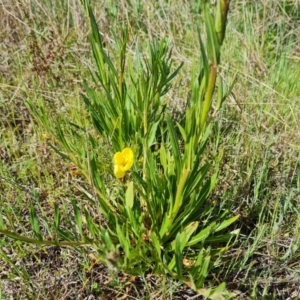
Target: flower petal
<point>128,158</point>
<point>119,158</point>
<point>119,173</point>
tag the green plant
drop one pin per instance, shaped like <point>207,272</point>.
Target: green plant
<point>157,215</point>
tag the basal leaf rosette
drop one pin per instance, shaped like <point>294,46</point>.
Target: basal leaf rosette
<point>123,162</point>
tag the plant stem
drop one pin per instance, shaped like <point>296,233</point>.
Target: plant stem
<point>208,95</point>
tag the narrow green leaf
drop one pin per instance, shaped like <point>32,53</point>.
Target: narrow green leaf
<point>189,231</point>
<point>205,71</point>
<point>61,136</point>
<point>212,39</point>
<point>231,85</point>
<point>175,147</point>
<point>63,155</point>
<point>157,245</point>
<point>200,199</point>
<point>226,223</point>
<point>96,40</point>
<point>220,97</point>
<point>2,224</point>
<point>204,272</point>
<point>93,229</point>
<point>163,157</point>
<point>124,241</point>
<point>220,288</point>
<point>198,265</point>
<point>106,239</point>
<point>220,293</point>
<point>35,223</point>
<point>179,193</point>
<point>202,235</point>
<point>178,256</point>
<point>224,238</point>
<point>78,217</point>
<point>182,131</point>
<point>129,197</point>
<point>219,21</point>
<point>152,134</point>
<point>174,74</point>
<point>63,235</point>
<point>172,263</point>
<point>56,216</point>
<point>195,179</point>
<point>186,234</point>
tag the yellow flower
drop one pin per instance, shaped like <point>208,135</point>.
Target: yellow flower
<point>123,162</point>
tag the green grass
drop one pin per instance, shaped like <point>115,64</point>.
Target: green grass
<point>45,56</point>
